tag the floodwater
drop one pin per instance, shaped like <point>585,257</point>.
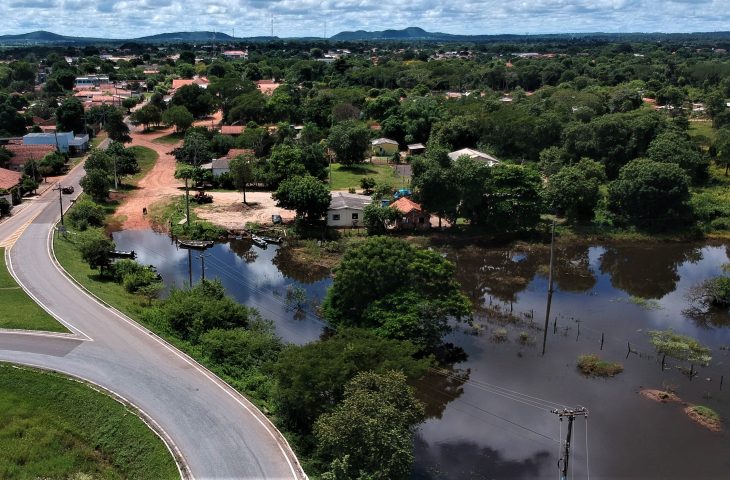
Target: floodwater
<point>490,413</point>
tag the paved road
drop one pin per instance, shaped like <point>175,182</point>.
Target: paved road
<point>217,432</point>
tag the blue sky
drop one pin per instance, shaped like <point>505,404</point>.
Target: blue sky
<point>133,18</point>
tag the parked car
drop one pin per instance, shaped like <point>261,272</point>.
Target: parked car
<point>67,190</point>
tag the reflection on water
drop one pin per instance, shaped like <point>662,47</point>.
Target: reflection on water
<point>479,426</point>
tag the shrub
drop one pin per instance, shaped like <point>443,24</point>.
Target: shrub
<point>4,207</point>
<point>132,282</point>
<point>86,214</point>
<point>679,346</point>
<point>592,365</point>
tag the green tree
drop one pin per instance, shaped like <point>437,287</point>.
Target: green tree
<point>373,427</point>
<point>722,148</point>
<point>312,377</point>
<point>116,127</point>
<point>148,115</point>
<point>96,184</point>
<point>376,218</point>
<point>676,147</point>
<point>435,183</point>
<point>95,248</point>
<point>650,194</point>
<point>195,149</point>
<point>574,190</point>
<point>197,100</point>
<point>70,116</point>
<point>242,170</point>
<point>305,194</point>
<point>179,117</point>
<point>349,141</point>
<point>86,214</point>
<point>377,274</point>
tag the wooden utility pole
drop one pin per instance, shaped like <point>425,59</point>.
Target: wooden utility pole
<point>60,200</point>
<point>202,266</point>
<point>550,287</point>
<point>570,414</point>
<point>187,205</point>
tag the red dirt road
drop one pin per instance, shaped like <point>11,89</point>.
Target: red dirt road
<point>159,183</point>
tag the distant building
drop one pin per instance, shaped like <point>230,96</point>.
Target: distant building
<point>383,147</point>
<point>202,82</point>
<point>64,142</point>
<point>475,155</point>
<point>232,129</point>
<point>416,149</point>
<point>346,209</point>
<point>235,54</point>
<point>91,81</point>
<point>22,154</point>
<point>222,165</point>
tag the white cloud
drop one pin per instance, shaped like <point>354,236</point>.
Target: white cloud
<point>133,18</point>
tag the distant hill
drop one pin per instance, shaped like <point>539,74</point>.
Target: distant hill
<point>410,33</point>
<point>185,37</point>
<point>42,36</point>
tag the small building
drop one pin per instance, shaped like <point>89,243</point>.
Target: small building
<point>383,147</point>
<point>90,81</point>
<point>346,209</point>
<point>202,82</point>
<point>416,149</point>
<point>22,154</point>
<point>235,54</point>
<point>232,130</point>
<point>9,182</point>
<point>412,216</point>
<point>475,155</point>
<point>64,142</point>
<point>222,165</point>
<point>267,87</point>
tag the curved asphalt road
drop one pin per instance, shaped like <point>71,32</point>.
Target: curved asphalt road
<point>218,433</point>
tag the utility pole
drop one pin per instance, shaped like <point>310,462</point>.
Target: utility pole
<point>187,205</point>
<point>60,200</point>
<point>550,287</point>
<point>570,414</point>
<point>190,268</point>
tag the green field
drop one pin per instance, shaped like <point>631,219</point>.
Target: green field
<point>703,133</point>
<point>170,139</point>
<point>344,178</point>
<point>18,310</point>
<point>55,427</point>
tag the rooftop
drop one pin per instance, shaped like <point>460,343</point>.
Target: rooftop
<point>405,205</point>
<point>342,200</point>
<point>9,178</point>
<point>474,154</point>
<point>383,141</point>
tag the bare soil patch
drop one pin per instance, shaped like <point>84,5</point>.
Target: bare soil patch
<point>659,396</point>
<point>709,422</point>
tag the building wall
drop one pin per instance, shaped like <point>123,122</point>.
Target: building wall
<point>345,219</point>
<point>384,150</point>
<point>217,172</point>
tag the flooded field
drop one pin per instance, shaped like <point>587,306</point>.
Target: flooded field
<point>490,413</point>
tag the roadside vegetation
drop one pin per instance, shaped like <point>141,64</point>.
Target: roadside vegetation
<point>18,310</point>
<point>55,427</point>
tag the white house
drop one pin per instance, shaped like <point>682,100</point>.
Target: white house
<point>383,147</point>
<point>346,209</point>
<point>474,154</point>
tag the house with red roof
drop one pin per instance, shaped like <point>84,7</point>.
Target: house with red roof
<point>22,154</point>
<point>232,130</point>
<point>412,216</point>
<point>267,87</point>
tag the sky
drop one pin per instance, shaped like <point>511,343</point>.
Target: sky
<point>298,18</point>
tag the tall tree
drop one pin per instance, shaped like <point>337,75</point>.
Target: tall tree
<point>349,141</point>
<point>242,170</point>
<point>305,194</point>
<point>70,116</point>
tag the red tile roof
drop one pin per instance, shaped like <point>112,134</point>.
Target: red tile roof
<point>234,152</point>
<point>9,178</point>
<point>406,205</point>
<point>23,153</point>
<point>232,129</point>
<point>267,87</point>
<point>181,82</point>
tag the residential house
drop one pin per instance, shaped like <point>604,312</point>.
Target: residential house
<point>475,155</point>
<point>267,87</point>
<point>22,154</point>
<point>9,182</point>
<point>412,216</point>
<point>219,166</point>
<point>235,54</point>
<point>232,130</point>
<point>346,209</point>
<point>383,147</point>
<point>202,82</point>
<point>90,81</point>
<point>416,149</point>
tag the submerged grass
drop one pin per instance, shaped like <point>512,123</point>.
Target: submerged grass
<point>55,427</point>
<point>592,365</point>
<point>18,310</point>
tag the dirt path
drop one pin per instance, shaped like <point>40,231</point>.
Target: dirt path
<point>159,183</point>
<point>228,210</point>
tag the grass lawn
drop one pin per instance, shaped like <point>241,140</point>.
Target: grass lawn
<point>105,288</point>
<point>18,310</point>
<point>703,132</point>
<point>170,139</point>
<point>146,159</point>
<point>344,177</point>
<point>54,427</point>
<point>98,139</point>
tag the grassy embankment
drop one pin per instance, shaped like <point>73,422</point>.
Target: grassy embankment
<point>146,159</point>
<point>344,178</point>
<point>18,310</point>
<point>54,427</point>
